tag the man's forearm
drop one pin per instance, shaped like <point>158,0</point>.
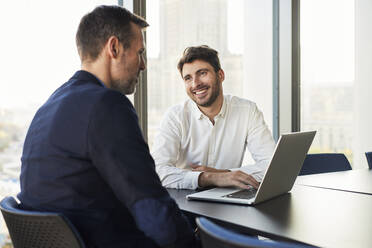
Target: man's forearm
<point>173,177</point>
<point>163,222</point>
<point>207,179</point>
<point>227,179</point>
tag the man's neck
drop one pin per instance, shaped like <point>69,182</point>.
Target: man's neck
<point>97,68</point>
<point>214,109</point>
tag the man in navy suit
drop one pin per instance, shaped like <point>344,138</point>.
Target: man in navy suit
<point>84,154</point>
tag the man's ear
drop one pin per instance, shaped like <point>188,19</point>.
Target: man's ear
<point>113,46</point>
<point>221,75</point>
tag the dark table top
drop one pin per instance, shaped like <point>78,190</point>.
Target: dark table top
<point>317,216</point>
<point>359,181</point>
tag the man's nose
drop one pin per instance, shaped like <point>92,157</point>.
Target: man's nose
<point>142,63</point>
<point>195,82</point>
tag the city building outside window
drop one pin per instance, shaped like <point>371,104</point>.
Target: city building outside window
<point>335,50</point>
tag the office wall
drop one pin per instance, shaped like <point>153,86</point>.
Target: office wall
<point>258,43</point>
<point>363,81</point>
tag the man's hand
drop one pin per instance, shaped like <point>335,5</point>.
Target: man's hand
<point>227,179</point>
<point>205,168</point>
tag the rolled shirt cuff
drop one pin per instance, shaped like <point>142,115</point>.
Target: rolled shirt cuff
<point>191,180</point>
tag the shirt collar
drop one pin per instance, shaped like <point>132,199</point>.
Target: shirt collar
<point>196,111</point>
<point>199,115</point>
<point>85,75</point>
<point>222,112</point>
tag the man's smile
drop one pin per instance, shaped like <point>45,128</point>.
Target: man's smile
<point>200,92</point>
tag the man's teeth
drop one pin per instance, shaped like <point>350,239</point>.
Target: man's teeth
<point>200,92</point>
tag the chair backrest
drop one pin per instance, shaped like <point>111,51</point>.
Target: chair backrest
<point>324,162</point>
<point>38,229</point>
<point>369,159</point>
<point>215,236</point>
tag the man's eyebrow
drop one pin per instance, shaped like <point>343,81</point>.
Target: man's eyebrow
<point>185,76</point>
<point>197,72</point>
<point>202,69</point>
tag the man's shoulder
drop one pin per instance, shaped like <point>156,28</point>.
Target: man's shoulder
<point>179,110</point>
<point>81,90</point>
<point>235,101</point>
<point>179,114</point>
<point>81,97</point>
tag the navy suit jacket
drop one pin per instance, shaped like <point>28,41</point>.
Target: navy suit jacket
<point>85,156</point>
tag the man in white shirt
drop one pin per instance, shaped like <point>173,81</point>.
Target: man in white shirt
<point>202,141</point>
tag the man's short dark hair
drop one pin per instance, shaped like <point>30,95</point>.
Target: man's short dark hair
<point>204,53</point>
<point>98,26</point>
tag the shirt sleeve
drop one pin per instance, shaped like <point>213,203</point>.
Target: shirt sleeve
<point>166,152</point>
<point>122,158</point>
<point>260,143</point>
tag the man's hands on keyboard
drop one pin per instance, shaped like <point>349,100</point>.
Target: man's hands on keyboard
<point>227,179</point>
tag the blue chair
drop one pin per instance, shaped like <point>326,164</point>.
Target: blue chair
<point>324,162</point>
<point>38,229</point>
<point>215,236</point>
<point>369,159</point>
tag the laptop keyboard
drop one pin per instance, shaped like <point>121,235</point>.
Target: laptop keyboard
<point>243,194</point>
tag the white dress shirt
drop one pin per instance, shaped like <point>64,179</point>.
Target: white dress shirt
<point>186,136</point>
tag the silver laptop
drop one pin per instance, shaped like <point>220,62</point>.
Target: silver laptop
<point>284,166</point>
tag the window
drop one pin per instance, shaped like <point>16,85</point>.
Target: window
<point>335,50</point>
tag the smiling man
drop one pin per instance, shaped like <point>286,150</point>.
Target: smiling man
<point>202,141</point>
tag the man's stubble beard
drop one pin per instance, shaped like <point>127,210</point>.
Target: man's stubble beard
<point>125,88</point>
<point>213,97</point>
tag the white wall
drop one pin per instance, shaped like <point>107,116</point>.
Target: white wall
<point>258,43</point>
<point>363,82</point>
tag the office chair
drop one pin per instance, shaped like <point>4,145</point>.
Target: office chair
<point>215,236</point>
<point>324,162</point>
<point>369,159</point>
<point>38,229</point>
